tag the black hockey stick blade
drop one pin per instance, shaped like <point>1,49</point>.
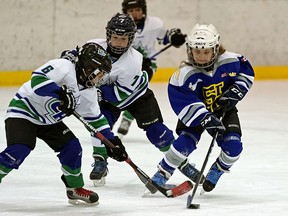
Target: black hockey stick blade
<point>190,205</point>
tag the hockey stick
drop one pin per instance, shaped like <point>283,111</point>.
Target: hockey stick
<point>174,192</point>
<point>189,204</point>
<point>160,51</point>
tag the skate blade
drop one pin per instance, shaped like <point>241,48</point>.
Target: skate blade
<point>99,182</point>
<point>78,202</point>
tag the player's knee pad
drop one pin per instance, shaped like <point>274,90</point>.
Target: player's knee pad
<point>160,136</point>
<point>179,151</point>
<point>71,154</point>
<point>14,155</point>
<point>231,146</point>
<point>186,142</point>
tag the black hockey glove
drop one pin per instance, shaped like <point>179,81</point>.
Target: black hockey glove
<point>231,97</point>
<point>68,102</point>
<point>119,153</point>
<point>176,37</point>
<point>211,123</point>
<point>146,65</point>
<point>70,55</point>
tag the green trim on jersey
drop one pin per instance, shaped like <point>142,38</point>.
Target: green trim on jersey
<point>126,98</point>
<point>21,105</point>
<point>38,79</point>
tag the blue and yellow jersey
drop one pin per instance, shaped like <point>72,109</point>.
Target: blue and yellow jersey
<point>193,92</point>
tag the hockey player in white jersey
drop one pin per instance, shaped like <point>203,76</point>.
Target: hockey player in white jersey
<point>150,30</point>
<point>198,91</point>
<point>127,89</point>
<point>55,90</point>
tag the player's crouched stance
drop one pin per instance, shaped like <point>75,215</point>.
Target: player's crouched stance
<point>211,82</point>
<point>55,90</point>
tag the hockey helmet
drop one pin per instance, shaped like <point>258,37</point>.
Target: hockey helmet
<point>92,60</point>
<point>127,4</point>
<point>120,24</point>
<point>203,36</point>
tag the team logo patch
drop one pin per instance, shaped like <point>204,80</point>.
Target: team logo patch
<point>230,74</point>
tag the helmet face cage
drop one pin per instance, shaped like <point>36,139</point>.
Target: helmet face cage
<point>127,4</point>
<point>93,59</point>
<point>120,24</point>
<point>203,37</point>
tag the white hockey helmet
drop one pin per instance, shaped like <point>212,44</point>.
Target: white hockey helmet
<point>203,36</point>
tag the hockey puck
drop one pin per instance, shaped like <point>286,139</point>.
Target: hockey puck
<point>194,206</point>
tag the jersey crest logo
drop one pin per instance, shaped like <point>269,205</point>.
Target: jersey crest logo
<point>232,74</point>
<point>211,94</point>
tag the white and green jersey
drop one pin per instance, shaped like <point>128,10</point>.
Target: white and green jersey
<point>146,38</point>
<point>126,81</point>
<point>37,100</point>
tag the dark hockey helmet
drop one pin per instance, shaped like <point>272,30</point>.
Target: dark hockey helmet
<point>93,65</point>
<point>120,24</point>
<point>127,4</point>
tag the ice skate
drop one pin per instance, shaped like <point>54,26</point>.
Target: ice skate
<point>99,171</point>
<point>78,196</point>
<point>212,178</point>
<point>124,127</point>
<point>191,172</point>
<point>160,178</point>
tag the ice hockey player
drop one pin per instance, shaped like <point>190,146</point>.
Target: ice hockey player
<point>150,30</point>
<point>127,89</point>
<point>211,79</point>
<point>55,90</point>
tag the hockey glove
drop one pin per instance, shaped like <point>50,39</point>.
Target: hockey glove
<point>68,102</point>
<point>212,124</point>
<point>177,39</point>
<point>146,65</point>
<point>119,153</point>
<point>70,55</point>
<point>231,97</point>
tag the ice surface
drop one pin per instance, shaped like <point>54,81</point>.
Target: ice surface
<point>257,184</point>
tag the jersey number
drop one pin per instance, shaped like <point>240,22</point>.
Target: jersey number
<point>135,80</point>
<point>47,69</point>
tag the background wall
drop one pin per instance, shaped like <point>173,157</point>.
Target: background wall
<point>34,31</point>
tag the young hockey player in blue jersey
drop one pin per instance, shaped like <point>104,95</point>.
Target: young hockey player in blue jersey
<point>150,30</point>
<point>210,80</point>
<point>55,90</point>
<point>127,89</point>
